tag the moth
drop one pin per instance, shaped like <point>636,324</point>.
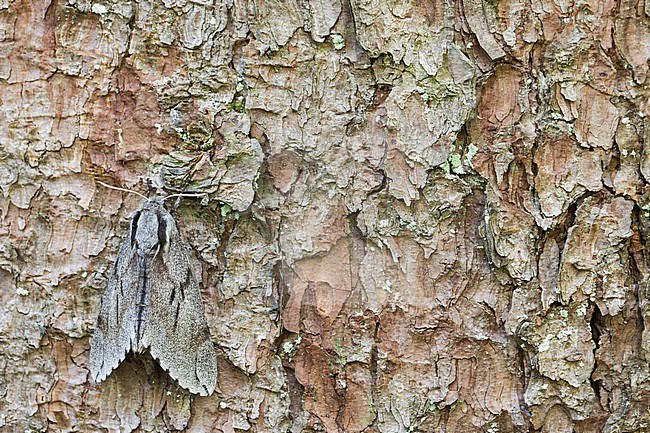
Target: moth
<point>153,303</point>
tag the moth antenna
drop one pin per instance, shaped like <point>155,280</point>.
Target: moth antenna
<point>200,160</point>
<point>178,201</point>
<point>201,194</point>
<point>120,189</point>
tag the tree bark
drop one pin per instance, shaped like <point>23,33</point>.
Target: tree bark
<point>417,216</point>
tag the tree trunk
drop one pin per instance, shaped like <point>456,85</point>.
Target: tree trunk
<point>416,216</point>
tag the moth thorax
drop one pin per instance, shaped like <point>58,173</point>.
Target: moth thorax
<point>147,234</point>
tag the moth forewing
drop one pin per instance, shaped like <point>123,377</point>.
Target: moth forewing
<point>180,294</point>
<point>113,332</point>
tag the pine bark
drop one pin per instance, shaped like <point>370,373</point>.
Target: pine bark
<point>417,216</point>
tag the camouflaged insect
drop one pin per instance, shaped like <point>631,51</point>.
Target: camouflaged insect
<point>153,303</point>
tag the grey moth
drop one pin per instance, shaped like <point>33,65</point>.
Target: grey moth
<point>153,303</point>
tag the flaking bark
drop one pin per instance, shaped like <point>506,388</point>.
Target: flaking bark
<point>419,216</point>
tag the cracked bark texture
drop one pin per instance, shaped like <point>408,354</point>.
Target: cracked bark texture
<point>419,216</point>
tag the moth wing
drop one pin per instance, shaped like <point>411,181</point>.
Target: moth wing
<point>176,330</point>
<point>116,322</point>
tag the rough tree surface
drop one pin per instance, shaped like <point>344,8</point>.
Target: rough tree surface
<point>420,216</point>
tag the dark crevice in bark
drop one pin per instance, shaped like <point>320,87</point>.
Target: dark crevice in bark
<point>638,266</point>
<point>286,347</point>
<point>131,26</point>
<point>534,195</point>
<point>564,226</point>
<point>525,370</point>
<point>355,231</point>
<point>278,300</point>
<point>381,94</point>
<point>377,189</point>
<point>296,391</point>
<point>374,373</point>
<point>595,324</point>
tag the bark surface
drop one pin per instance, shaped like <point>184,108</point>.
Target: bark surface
<point>420,216</point>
